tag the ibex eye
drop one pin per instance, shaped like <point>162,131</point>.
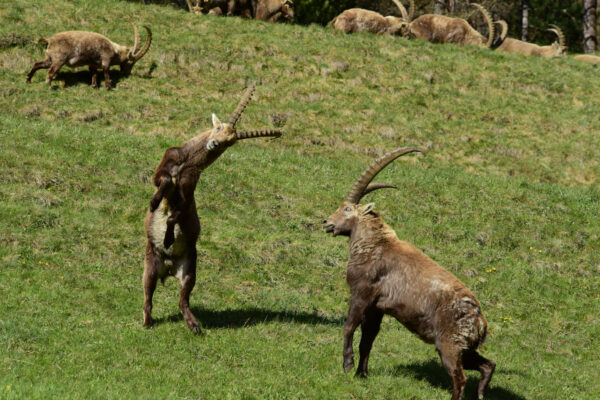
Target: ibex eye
<point>348,209</point>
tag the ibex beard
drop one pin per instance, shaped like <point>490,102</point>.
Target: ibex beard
<point>390,276</point>
<point>172,224</point>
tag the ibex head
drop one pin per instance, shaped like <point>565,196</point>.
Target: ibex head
<point>349,214</point>
<point>225,134</point>
<point>287,10</point>
<point>559,49</point>
<point>129,56</point>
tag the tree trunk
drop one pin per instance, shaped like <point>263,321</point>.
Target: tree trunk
<point>590,36</point>
<point>524,19</point>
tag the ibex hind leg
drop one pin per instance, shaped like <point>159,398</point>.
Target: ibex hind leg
<point>452,360</point>
<point>187,280</point>
<point>39,65</point>
<point>474,361</point>
<point>151,268</point>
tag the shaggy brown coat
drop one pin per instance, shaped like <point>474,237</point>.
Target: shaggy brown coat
<point>171,223</point>
<point>361,20</point>
<point>390,276</point>
<point>442,29</point>
<point>77,48</point>
<point>511,45</point>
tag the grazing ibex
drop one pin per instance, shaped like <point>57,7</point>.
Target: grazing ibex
<point>556,49</point>
<point>77,48</point>
<point>390,276</point>
<point>361,20</point>
<point>172,225</point>
<point>442,29</point>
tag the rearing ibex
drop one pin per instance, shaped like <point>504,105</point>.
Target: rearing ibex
<point>442,29</point>
<point>556,49</point>
<point>172,225</point>
<point>77,48</point>
<point>390,276</point>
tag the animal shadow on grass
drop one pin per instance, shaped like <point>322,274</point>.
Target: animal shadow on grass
<point>436,375</point>
<point>241,318</point>
<point>84,77</point>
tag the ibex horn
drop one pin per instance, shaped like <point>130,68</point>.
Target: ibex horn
<point>561,36</point>
<point>136,39</point>
<point>490,23</point>
<point>138,55</point>
<point>411,10</point>
<point>402,10</point>
<point>376,186</point>
<point>503,33</point>
<point>241,106</point>
<point>257,133</point>
<point>362,184</point>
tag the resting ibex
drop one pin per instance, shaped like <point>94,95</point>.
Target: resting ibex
<point>274,10</point>
<point>588,58</point>
<point>390,276</point>
<point>77,48</point>
<point>361,20</point>
<point>556,49</point>
<point>172,225</point>
<point>442,29</point>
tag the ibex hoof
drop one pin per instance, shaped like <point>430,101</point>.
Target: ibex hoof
<point>196,330</point>
<point>212,143</point>
<point>348,365</point>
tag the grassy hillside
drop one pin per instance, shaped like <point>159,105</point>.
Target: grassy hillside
<point>507,199</point>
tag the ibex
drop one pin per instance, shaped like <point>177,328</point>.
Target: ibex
<point>390,276</point>
<point>556,49</point>
<point>442,29</point>
<point>274,10</point>
<point>588,58</point>
<point>77,48</point>
<point>172,225</point>
<point>361,20</point>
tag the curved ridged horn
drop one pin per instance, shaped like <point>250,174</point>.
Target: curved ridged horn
<point>503,32</point>
<point>139,54</point>
<point>561,36</point>
<point>376,186</point>
<point>257,133</point>
<point>489,21</point>
<point>402,10</point>
<point>411,10</point>
<point>362,184</point>
<point>136,39</point>
<point>241,106</point>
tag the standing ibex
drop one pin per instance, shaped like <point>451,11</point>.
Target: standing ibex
<point>172,225</point>
<point>556,49</point>
<point>390,276</point>
<point>361,20</point>
<point>442,29</point>
<point>77,48</point>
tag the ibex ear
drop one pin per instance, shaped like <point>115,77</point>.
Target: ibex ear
<point>368,208</point>
<point>216,121</point>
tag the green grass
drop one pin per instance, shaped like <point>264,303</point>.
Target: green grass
<point>510,182</point>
